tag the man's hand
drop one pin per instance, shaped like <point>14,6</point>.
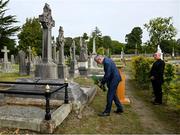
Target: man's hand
<point>152,78</point>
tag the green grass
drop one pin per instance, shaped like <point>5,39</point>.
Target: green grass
<point>10,76</point>
<point>168,114</point>
<point>91,123</point>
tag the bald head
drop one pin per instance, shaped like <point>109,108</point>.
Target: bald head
<point>99,59</point>
<point>157,56</point>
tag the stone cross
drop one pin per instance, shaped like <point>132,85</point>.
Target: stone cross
<point>60,43</point>
<point>5,54</point>
<point>47,24</point>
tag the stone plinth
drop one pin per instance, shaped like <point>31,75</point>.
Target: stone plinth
<point>46,70</point>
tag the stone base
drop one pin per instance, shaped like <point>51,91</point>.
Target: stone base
<point>83,71</point>
<point>6,67</point>
<point>46,70</point>
<point>62,71</point>
<point>32,118</point>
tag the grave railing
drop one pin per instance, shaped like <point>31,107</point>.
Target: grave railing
<point>46,93</point>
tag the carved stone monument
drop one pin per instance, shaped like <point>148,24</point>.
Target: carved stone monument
<point>73,59</point>
<point>47,69</point>
<point>160,51</point>
<point>62,69</point>
<point>6,65</point>
<point>93,64</point>
<point>83,58</point>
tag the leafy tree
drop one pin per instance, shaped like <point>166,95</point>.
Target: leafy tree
<point>31,35</point>
<point>117,47</point>
<point>134,40</point>
<point>85,36</point>
<point>67,45</point>
<point>7,30</point>
<point>168,45</point>
<point>160,29</point>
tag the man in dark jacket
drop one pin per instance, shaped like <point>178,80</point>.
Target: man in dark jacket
<point>112,78</point>
<point>156,75</point>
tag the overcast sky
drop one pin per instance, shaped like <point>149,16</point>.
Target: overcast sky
<point>115,18</point>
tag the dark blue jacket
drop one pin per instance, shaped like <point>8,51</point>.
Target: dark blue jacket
<point>111,72</point>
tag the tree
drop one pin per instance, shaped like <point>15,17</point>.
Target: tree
<point>31,35</point>
<point>134,40</point>
<point>99,43</point>
<point>160,29</point>
<point>117,47</point>
<point>7,30</point>
<point>67,45</point>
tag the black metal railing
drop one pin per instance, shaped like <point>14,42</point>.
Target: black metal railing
<point>47,93</point>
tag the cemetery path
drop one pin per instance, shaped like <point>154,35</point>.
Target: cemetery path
<point>148,119</point>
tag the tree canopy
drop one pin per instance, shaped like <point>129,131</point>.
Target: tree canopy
<point>31,35</point>
<point>7,28</point>
<point>160,29</point>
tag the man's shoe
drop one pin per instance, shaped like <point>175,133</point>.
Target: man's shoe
<point>156,103</point>
<point>118,111</point>
<point>103,114</point>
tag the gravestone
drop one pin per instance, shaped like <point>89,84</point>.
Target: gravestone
<point>47,69</point>
<point>62,69</point>
<point>160,51</point>
<point>22,63</point>
<point>12,59</point>
<point>6,65</point>
<point>29,60</point>
<point>93,64</point>
<point>73,59</point>
<point>83,59</point>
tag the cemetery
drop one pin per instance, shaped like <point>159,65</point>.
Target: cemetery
<point>53,87</point>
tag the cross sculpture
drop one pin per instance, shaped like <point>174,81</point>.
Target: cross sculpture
<point>5,53</point>
<point>47,24</point>
<point>60,42</point>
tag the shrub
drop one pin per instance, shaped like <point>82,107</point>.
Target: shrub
<point>141,69</point>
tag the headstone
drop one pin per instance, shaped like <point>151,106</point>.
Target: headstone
<point>12,59</point>
<point>28,66</point>
<point>6,65</point>
<point>160,51</point>
<point>47,69</point>
<point>73,60</point>
<point>22,63</point>
<point>83,59</point>
<point>62,69</point>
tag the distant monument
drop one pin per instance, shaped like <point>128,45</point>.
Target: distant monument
<point>6,65</point>
<point>22,63</point>
<point>93,64</point>
<point>160,51</point>
<point>73,59</point>
<point>83,58</point>
<point>54,53</point>
<point>47,69</point>
<point>62,69</point>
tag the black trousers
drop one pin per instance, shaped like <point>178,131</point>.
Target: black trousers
<point>157,89</point>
